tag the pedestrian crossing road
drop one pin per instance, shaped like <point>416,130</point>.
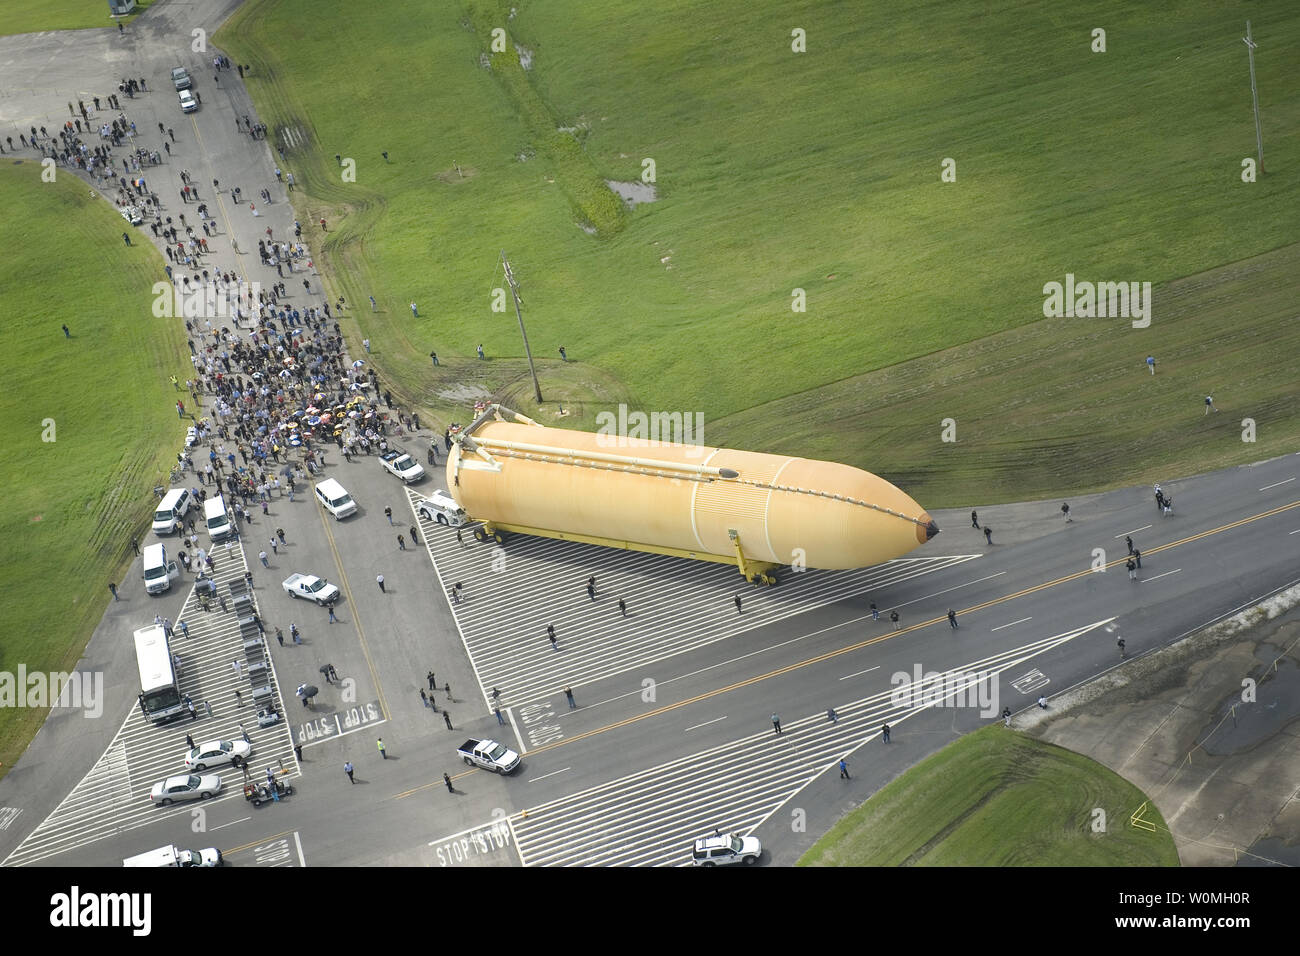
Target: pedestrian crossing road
<point>652,817</point>
<point>511,593</point>
<point>114,795</point>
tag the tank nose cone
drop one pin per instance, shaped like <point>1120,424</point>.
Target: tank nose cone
<point>924,532</point>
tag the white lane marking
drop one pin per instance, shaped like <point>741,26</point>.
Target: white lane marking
<point>1276,483</point>
<point>705,724</point>
<point>551,774</point>
<point>519,737</point>
<point>230,824</point>
<point>1296,531</point>
<point>1134,531</point>
<point>1158,576</point>
<point>860,673</point>
<point>927,597</point>
<point>297,841</point>
<point>1021,621</point>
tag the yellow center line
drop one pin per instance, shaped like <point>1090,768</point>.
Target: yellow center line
<point>356,612</point>
<point>830,655</point>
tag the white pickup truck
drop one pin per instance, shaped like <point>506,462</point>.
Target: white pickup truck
<point>489,755</point>
<point>312,588</point>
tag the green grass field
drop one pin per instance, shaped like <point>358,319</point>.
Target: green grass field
<point>71,504</point>
<point>818,171</point>
<point>34,16</point>
<point>1021,803</point>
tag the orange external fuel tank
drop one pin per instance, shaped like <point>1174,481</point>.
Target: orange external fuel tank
<point>715,504</point>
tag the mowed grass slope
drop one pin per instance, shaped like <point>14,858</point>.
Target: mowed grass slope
<point>817,171</point>
<point>71,505</point>
<point>34,16</point>
<point>998,798</point>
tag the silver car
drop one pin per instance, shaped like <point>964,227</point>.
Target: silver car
<point>185,787</point>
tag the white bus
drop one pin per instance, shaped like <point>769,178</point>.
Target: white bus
<point>160,693</point>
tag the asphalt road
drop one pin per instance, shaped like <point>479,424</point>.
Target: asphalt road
<point>672,734</point>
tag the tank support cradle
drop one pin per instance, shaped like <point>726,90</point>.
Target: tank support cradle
<point>755,572</point>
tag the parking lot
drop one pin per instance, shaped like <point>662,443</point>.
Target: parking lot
<point>114,795</point>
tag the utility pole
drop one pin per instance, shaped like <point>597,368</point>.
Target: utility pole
<point>514,291</point>
<point>1254,94</point>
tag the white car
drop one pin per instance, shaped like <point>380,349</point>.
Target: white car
<point>132,215</point>
<point>312,588</point>
<point>188,103</point>
<point>185,787</point>
<point>402,465</point>
<point>216,752</point>
<point>724,849</point>
<point>442,508</point>
<point>335,498</point>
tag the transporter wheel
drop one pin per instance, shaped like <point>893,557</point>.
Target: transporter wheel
<point>499,538</point>
<point>479,535</point>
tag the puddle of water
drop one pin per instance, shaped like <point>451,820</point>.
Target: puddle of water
<point>633,193</point>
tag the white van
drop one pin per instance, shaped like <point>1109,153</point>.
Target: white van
<point>171,511</point>
<point>175,856</point>
<point>442,508</point>
<point>159,573</point>
<point>335,498</point>
<point>218,519</point>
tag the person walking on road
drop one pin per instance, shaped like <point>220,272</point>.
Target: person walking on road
<point>430,679</point>
<point>497,711</point>
<point>347,769</point>
<point>736,600</point>
<point>1128,539</point>
<point>446,716</point>
<point>893,617</point>
<point>875,612</point>
<point>424,698</point>
<point>383,752</point>
<point>622,607</point>
<point>401,543</point>
<point>568,694</point>
<point>414,539</point>
<point>776,723</point>
<point>447,780</point>
<point>379,579</point>
<point>1137,556</point>
<point>844,769</point>
<point>333,618</point>
<point>988,534</point>
<point>112,588</point>
<point>550,634</point>
<point>884,732</point>
<point>974,520</point>
<point>1132,569</point>
<point>189,741</point>
<point>833,717</point>
<point>1120,644</point>
<point>1065,510</point>
<point>952,618</point>
<point>388,513</point>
